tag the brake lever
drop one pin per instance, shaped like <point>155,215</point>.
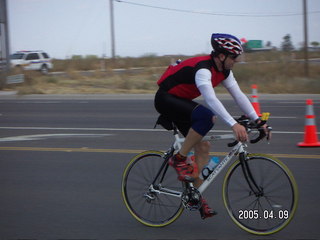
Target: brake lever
<point>269,134</point>
<point>263,134</point>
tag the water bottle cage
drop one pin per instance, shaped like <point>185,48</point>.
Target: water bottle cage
<point>206,172</point>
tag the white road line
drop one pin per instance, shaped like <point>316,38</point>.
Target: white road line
<point>302,101</point>
<point>277,117</point>
<point>46,102</point>
<point>38,102</point>
<point>123,129</point>
<point>86,129</point>
<point>46,136</point>
<point>277,106</point>
<point>283,117</point>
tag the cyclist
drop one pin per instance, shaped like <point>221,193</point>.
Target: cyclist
<point>187,80</point>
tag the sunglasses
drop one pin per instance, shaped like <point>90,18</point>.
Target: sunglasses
<point>233,57</point>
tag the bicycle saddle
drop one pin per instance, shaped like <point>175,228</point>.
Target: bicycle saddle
<point>165,122</point>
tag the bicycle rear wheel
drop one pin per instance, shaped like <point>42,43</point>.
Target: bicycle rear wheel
<point>153,202</point>
<point>272,209</point>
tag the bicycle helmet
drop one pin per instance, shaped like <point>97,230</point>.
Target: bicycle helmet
<point>226,43</point>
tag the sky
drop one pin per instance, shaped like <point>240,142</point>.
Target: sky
<point>82,27</point>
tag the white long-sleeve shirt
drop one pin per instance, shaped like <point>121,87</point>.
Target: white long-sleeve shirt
<point>204,84</point>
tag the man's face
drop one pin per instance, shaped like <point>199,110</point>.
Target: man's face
<point>230,61</point>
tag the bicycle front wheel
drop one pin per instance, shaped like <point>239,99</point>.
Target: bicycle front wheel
<point>151,191</point>
<point>270,210</point>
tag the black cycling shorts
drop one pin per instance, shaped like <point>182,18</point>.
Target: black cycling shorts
<point>179,110</point>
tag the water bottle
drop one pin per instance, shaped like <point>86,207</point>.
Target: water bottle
<point>208,169</point>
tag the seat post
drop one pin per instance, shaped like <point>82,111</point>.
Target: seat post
<point>175,129</point>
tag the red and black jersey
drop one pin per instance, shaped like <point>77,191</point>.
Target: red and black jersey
<point>179,80</point>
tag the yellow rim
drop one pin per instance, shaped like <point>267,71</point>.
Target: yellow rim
<point>295,194</point>
<point>179,212</point>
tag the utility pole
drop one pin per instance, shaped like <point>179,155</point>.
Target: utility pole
<point>4,43</point>
<point>113,51</point>
<point>4,34</point>
<point>305,21</point>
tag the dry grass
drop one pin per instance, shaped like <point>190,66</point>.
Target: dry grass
<point>281,77</point>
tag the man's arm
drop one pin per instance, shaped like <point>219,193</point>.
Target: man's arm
<point>240,98</point>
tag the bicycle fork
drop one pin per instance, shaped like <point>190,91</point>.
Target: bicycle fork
<point>255,189</point>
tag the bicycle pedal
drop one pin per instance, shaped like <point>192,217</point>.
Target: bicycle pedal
<point>191,199</point>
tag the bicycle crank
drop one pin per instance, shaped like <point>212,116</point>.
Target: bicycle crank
<point>191,199</point>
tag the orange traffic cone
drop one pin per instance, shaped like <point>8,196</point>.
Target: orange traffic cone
<point>255,101</point>
<point>310,128</point>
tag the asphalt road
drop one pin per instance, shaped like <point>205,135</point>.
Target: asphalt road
<point>61,161</point>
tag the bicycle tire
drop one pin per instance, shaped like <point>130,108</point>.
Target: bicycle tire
<point>136,181</point>
<point>267,214</point>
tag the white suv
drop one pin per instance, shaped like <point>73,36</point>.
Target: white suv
<point>31,60</point>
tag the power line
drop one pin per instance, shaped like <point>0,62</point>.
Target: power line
<point>230,14</point>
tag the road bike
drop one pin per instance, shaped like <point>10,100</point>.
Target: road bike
<point>259,191</point>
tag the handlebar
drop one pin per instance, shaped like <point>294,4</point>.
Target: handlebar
<point>251,125</point>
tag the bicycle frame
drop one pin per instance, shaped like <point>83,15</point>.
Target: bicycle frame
<point>238,148</point>
<point>235,150</point>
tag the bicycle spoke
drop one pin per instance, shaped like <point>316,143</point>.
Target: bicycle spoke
<point>260,211</point>
<point>273,179</point>
<point>146,201</point>
<point>279,189</point>
<point>240,185</point>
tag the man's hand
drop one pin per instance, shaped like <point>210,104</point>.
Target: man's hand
<point>240,132</point>
<point>265,128</point>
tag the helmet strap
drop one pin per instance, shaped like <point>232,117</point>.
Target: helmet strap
<point>223,62</point>
<point>216,55</point>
